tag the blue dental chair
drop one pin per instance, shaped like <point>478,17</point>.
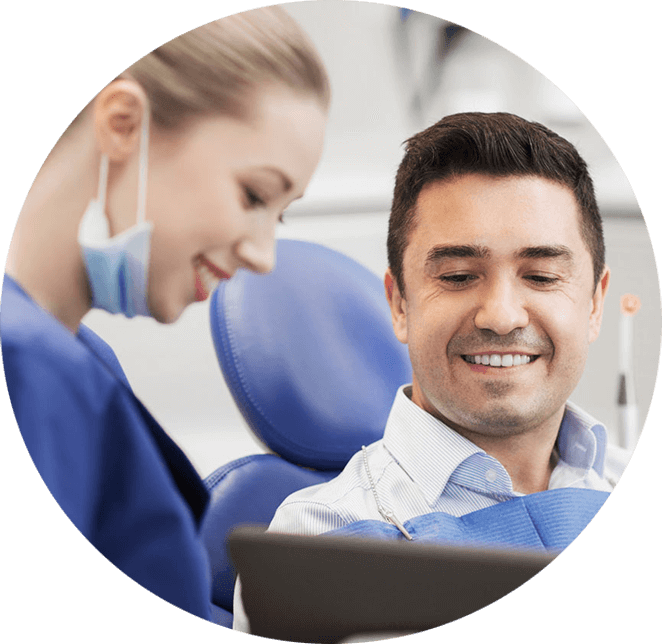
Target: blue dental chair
<point>309,355</point>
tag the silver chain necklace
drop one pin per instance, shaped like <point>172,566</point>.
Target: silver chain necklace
<point>388,515</point>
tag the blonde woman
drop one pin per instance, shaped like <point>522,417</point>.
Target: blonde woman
<point>170,180</point>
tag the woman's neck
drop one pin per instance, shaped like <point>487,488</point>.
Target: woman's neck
<point>44,255</point>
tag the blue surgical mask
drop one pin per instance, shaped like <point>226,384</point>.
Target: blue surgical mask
<point>117,266</point>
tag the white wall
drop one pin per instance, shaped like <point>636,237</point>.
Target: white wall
<point>362,46</point>
<point>174,370</point>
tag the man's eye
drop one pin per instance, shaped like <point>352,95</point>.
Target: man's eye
<point>542,280</point>
<point>461,279</point>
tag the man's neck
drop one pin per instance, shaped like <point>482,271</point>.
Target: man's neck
<point>526,452</point>
<point>528,472</point>
<point>528,457</point>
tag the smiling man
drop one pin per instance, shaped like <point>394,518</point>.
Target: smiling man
<point>498,305</point>
<point>496,283</point>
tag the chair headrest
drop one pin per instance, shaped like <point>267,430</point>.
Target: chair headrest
<point>309,354</point>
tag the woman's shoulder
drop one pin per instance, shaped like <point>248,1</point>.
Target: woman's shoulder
<point>35,345</point>
<point>64,397</point>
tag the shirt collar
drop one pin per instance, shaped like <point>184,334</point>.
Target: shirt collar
<point>415,439</point>
<point>582,440</point>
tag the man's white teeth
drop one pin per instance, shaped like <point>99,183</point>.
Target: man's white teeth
<point>499,360</point>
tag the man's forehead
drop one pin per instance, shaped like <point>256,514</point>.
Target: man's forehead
<point>518,212</point>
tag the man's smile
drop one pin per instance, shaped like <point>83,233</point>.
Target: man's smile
<point>500,360</point>
<point>500,364</point>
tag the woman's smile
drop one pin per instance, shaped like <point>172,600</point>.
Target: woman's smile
<point>207,277</point>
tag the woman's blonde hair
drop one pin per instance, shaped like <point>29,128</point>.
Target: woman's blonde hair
<point>217,68</point>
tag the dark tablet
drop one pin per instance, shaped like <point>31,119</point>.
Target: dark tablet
<point>326,589</point>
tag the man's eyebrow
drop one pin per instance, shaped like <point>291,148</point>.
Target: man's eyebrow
<point>546,252</point>
<point>472,251</point>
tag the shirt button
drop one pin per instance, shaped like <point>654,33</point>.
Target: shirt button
<point>491,475</point>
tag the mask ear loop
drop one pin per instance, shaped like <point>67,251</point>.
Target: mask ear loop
<point>103,181</point>
<point>142,167</point>
<point>142,172</point>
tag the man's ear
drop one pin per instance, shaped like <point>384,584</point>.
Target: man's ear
<point>398,306</point>
<point>118,113</point>
<point>597,306</point>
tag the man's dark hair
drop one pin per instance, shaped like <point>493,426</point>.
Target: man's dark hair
<point>497,145</point>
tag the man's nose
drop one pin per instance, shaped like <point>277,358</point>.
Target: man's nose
<point>502,308</point>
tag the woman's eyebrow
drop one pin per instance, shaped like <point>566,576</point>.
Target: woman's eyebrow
<point>285,180</point>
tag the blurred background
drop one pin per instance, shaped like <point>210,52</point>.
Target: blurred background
<point>394,72</point>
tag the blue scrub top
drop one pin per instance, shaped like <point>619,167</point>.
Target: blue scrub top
<point>121,480</point>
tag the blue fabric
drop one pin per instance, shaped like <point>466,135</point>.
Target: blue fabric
<point>103,352</point>
<point>221,616</point>
<point>121,480</point>
<point>548,520</point>
<point>309,355</point>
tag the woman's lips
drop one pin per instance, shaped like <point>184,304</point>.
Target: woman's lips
<point>200,292</point>
<point>207,277</point>
<point>213,269</point>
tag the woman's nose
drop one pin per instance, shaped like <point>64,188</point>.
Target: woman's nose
<point>257,255</point>
<point>502,309</point>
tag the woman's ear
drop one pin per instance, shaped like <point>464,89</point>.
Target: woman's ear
<point>118,113</point>
<point>398,306</point>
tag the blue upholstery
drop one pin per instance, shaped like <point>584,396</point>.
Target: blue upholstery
<point>310,358</point>
<point>309,354</point>
<point>246,491</point>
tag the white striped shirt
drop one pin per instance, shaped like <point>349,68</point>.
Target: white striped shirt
<point>422,466</point>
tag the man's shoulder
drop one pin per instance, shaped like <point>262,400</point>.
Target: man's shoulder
<point>325,506</point>
<point>332,492</point>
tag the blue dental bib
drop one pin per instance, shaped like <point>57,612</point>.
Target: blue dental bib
<point>548,520</point>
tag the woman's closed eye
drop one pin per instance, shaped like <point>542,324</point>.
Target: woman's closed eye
<point>253,199</point>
